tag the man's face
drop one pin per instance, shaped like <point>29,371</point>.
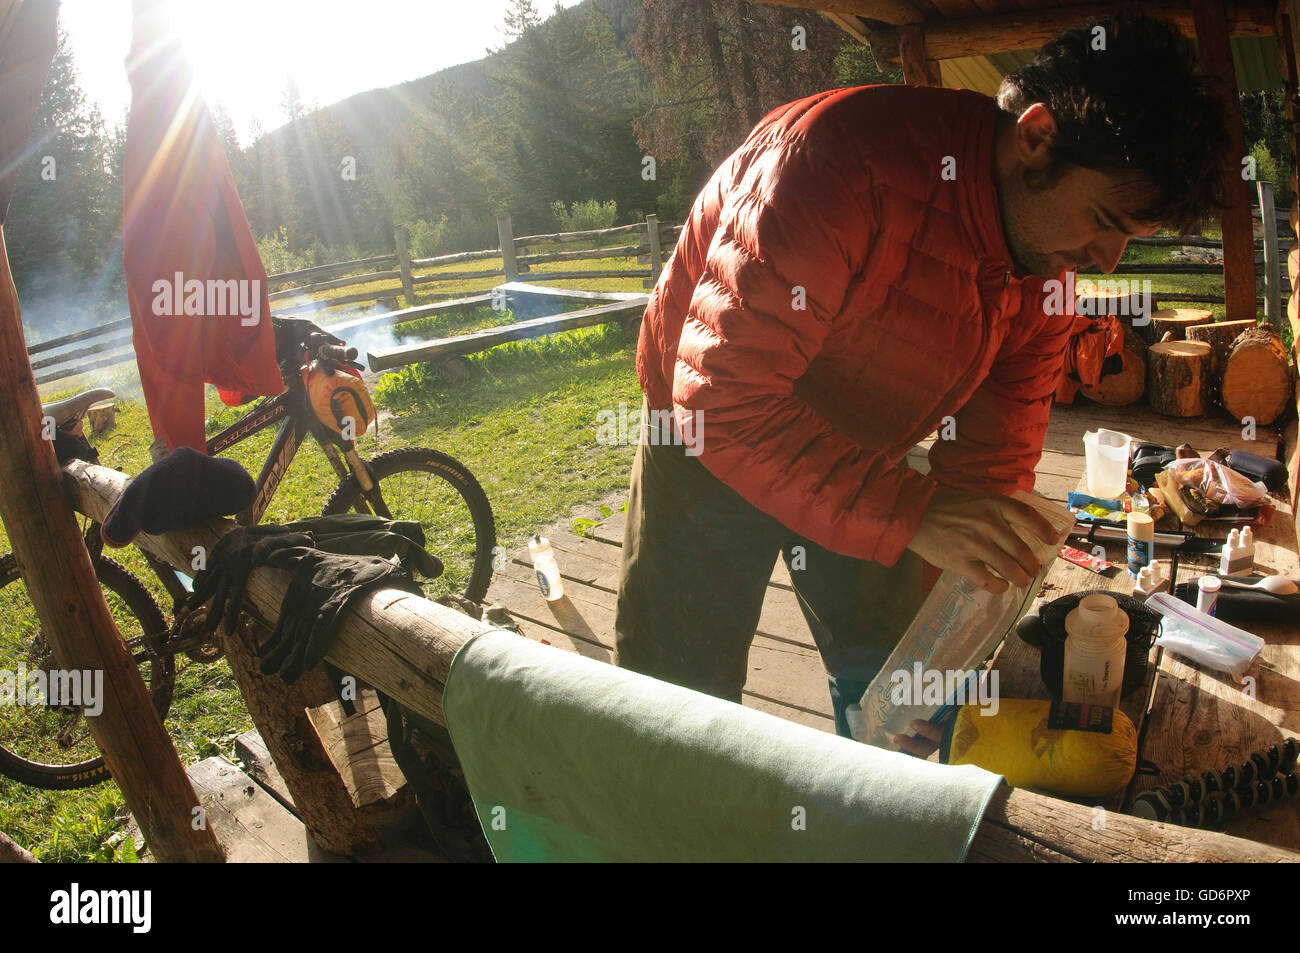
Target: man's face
<point>1056,219</point>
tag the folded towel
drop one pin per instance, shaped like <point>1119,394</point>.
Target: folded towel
<point>569,759</point>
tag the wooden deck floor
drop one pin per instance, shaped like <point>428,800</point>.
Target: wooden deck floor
<point>1200,721</point>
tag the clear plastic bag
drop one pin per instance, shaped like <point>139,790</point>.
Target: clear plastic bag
<point>1219,483</point>
<point>1203,639</point>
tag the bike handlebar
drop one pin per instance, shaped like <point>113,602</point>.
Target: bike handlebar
<point>333,352</point>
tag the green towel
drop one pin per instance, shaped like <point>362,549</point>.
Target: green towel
<point>569,759</point>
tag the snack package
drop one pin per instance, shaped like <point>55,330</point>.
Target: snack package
<point>1219,483</point>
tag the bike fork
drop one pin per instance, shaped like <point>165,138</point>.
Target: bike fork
<point>371,500</point>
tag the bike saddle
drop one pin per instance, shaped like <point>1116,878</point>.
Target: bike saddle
<point>72,409</point>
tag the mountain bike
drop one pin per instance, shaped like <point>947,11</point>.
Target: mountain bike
<point>48,744</point>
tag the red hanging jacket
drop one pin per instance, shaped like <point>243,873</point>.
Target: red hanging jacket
<point>182,216</point>
<point>834,296</point>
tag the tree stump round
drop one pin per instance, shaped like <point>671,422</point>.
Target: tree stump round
<point>1178,378</point>
<point>1256,377</point>
<point>1177,320</point>
<point>1126,386</point>
<point>102,417</point>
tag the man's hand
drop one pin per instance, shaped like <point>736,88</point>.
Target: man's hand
<point>971,533</point>
<point>930,740</point>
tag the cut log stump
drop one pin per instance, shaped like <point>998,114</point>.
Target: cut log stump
<point>103,417</point>
<point>1178,378</point>
<point>1177,320</point>
<point>1126,386</point>
<point>1256,377</point>
<point>1125,305</point>
<point>1219,335</point>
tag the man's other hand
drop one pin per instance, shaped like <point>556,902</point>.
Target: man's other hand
<point>971,533</point>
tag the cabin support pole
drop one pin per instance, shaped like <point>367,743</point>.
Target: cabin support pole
<point>1238,236</point>
<point>11,853</point>
<point>1288,23</point>
<point>53,558</point>
<point>917,69</point>
<point>279,711</point>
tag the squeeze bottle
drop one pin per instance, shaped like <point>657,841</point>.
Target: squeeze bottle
<point>1095,647</point>
<point>546,568</point>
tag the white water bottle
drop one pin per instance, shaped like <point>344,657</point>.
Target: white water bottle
<point>547,569</point>
<point>1095,647</point>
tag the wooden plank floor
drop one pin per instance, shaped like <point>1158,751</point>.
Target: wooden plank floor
<point>1200,721</point>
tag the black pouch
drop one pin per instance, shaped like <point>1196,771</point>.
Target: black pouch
<point>1271,473</point>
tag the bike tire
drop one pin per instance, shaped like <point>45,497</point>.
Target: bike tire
<point>116,578</point>
<point>431,463</point>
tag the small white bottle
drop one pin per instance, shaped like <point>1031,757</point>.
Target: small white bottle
<point>1150,580</point>
<point>1248,547</point>
<point>1207,594</point>
<point>547,569</point>
<point>1095,647</point>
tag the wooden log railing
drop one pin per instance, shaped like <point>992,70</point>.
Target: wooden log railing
<point>11,853</point>
<point>403,645</point>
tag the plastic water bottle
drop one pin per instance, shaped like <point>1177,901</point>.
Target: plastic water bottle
<point>1095,647</point>
<point>547,569</point>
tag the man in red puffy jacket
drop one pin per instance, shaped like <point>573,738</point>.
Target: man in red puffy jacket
<point>866,268</point>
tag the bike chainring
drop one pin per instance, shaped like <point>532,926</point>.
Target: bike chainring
<point>185,637</point>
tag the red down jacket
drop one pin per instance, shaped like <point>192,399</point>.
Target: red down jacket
<point>913,311</point>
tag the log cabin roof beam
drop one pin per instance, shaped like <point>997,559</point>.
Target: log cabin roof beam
<point>1020,29</point>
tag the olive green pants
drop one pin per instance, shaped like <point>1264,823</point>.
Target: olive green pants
<point>696,562</point>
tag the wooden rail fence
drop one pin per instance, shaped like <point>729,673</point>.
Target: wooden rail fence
<point>520,255</point>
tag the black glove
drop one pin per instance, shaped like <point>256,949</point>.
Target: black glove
<point>323,586</point>
<point>230,562</point>
<point>363,534</point>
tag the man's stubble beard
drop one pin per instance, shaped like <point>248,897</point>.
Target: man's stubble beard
<point>1022,200</point>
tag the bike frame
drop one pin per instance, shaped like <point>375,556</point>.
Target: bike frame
<point>297,421</point>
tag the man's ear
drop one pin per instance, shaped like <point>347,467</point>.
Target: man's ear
<point>1036,138</point>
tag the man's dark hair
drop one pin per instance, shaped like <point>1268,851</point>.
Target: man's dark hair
<point>1137,110</point>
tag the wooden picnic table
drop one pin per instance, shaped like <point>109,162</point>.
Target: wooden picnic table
<point>1191,719</point>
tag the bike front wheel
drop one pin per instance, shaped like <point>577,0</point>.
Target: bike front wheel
<point>440,494</point>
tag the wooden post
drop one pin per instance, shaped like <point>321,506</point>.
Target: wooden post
<point>509,265</point>
<point>917,69</point>
<point>1272,270</point>
<point>1238,236</point>
<point>43,530</point>
<point>404,265</point>
<point>11,853</point>
<point>656,252</point>
<point>280,713</point>
<point>403,645</point>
